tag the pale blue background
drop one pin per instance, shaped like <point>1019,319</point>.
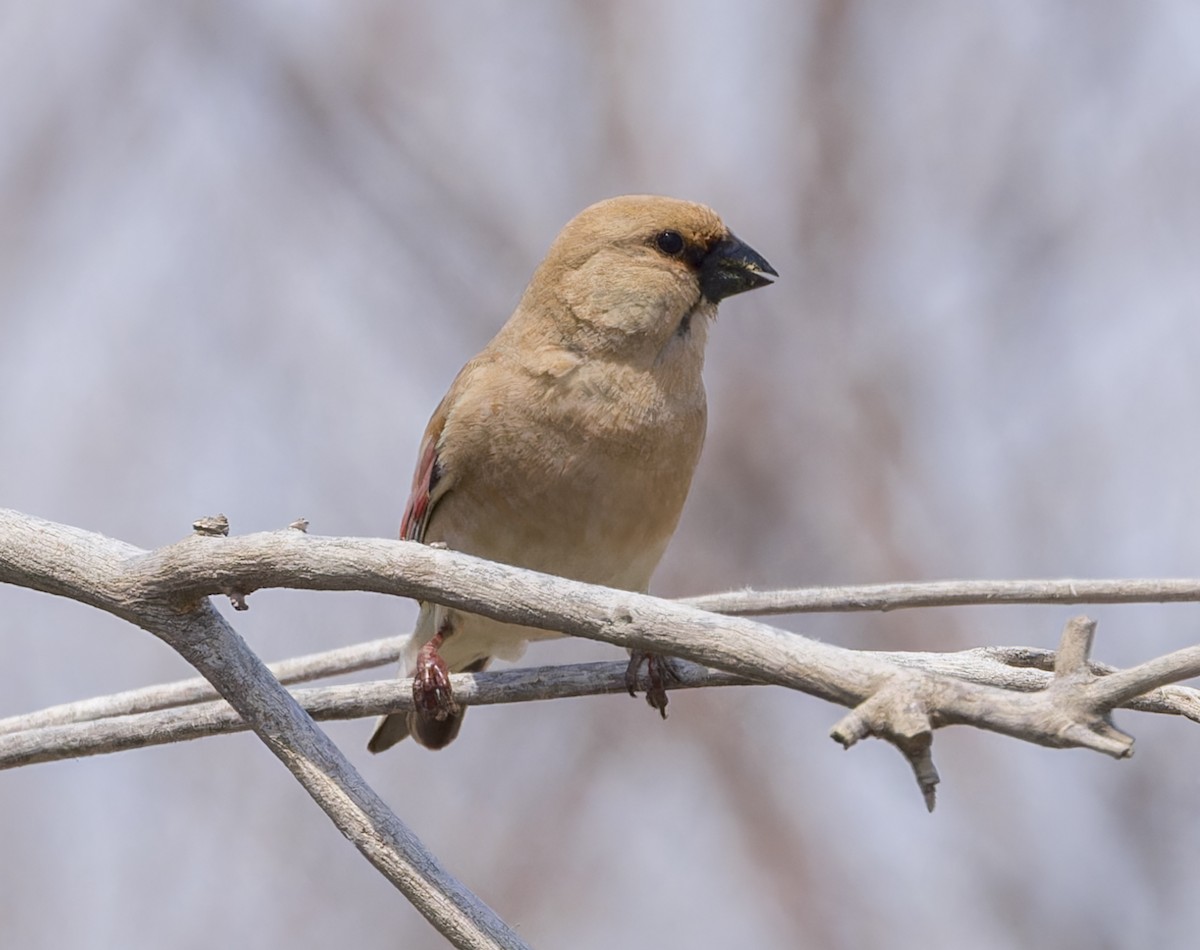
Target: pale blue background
<point>245,247</point>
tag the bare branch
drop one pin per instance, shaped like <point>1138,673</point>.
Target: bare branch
<point>352,701</point>
<point>105,573</point>
<point>906,712</point>
<point>1067,713</point>
<point>74,737</point>
<point>1007,667</point>
<point>883,597</point>
<point>1125,684</point>
<point>1026,668</point>
<point>301,669</point>
<point>193,568</point>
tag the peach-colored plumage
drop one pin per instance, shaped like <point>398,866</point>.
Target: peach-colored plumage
<point>568,444</point>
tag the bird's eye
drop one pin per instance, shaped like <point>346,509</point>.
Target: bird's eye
<point>670,243</point>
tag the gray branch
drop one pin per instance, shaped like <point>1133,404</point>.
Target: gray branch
<point>1022,669</point>
<point>353,701</point>
<point>117,578</point>
<point>301,669</point>
<point>884,597</point>
<point>1029,695</point>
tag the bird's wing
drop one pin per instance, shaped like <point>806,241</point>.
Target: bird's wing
<point>426,479</point>
<point>433,477</point>
<point>420,500</point>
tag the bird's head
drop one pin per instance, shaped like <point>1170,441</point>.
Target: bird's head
<point>629,276</point>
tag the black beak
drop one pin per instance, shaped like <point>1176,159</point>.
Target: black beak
<point>732,267</point>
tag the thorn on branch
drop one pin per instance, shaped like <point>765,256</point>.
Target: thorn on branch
<point>237,597</point>
<point>899,715</point>
<point>1099,735</point>
<point>1075,647</point>
<point>1087,724</point>
<point>926,775</point>
<point>213,526</point>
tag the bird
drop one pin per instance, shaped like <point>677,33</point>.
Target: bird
<point>568,445</point>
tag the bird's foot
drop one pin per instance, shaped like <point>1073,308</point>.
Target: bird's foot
<point>432,695</point>
<point>660,671</point>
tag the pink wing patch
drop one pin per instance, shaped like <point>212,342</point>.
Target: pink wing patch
<point>416,512</point>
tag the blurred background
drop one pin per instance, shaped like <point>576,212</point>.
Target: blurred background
<point>245,247</point>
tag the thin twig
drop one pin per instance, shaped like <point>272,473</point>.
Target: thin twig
<point>351,701</point>
<point>357,700</point>
<point>301,669</point>
<point>884,597</point>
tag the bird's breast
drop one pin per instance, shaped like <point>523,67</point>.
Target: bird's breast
<point>586,481</point>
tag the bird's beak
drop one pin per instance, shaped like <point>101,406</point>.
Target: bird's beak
<point>732,267</point>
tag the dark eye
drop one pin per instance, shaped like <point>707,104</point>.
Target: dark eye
<point>670,243</point>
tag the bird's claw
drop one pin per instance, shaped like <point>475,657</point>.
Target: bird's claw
<point>432,695</point>
<point>660,670</point>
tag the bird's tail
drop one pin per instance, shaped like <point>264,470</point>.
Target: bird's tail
<point>431,733</point>
<point>388,731</point>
